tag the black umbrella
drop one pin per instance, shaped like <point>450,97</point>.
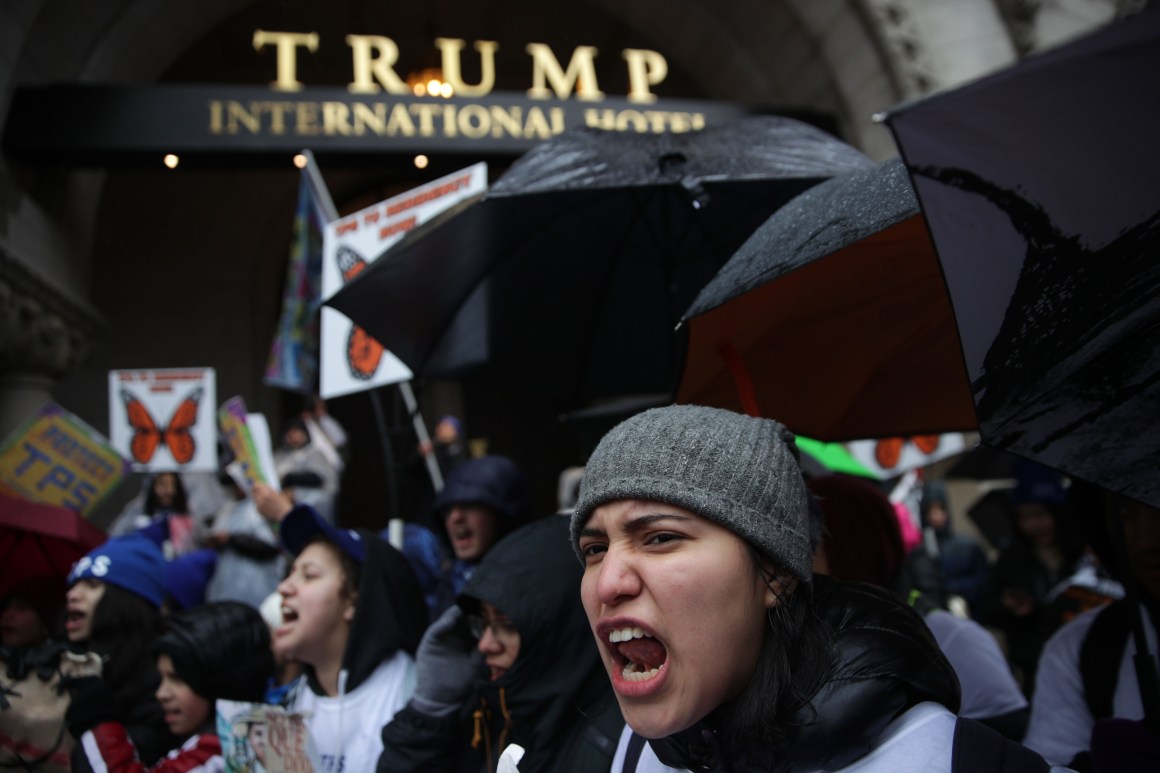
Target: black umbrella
<point>1040,187</point>
<point>833,318</point>
<point>573,269</point>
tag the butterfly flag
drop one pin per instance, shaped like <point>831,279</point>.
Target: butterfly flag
<point>162,419</point>
<point>54,458</point>
<point>352,361</point>
<point>293,362</point>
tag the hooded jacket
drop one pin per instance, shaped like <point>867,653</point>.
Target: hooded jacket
<point>389,620</point>
<point>555,700</point>
<point>884,662</point>
<point>557,687</point>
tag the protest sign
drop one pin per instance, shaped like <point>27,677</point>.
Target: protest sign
<point>352,361</point>
<point>55,458</point>
<point>248,437</point>
<point>890,457</point>
<point>161,419</point>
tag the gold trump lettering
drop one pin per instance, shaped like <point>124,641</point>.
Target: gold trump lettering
<point>374,57</point>
<point>329,118</point>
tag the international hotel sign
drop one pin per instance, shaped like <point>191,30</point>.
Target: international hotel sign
<point>377,112</point>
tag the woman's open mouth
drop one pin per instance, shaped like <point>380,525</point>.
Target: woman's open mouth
<point>289,617</point>
<point>74,620</point>
<point>640,659</point>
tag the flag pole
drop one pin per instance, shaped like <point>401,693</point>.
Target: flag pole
<point>395,525</point>
<point>319,185</point>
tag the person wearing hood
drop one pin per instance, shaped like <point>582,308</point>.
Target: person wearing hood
<point>721,645</point>
<point>214,651</point>
<point>540,685</point>
<point>352,615</point>
<point>963,562</point>
<point>1046,549</point>
<point>481,501</point>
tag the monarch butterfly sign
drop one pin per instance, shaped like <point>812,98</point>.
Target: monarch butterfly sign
<point>352,361</point>
<point>164,419</point>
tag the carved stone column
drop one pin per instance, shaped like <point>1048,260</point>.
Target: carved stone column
<point>44,335</point>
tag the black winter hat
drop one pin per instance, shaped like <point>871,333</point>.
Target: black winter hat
<point>221,650</point>
<point>495,482</point>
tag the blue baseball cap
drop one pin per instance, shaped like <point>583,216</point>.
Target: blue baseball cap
<point>304,522</point>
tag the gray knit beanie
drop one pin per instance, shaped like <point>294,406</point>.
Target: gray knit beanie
<point>736,470</point>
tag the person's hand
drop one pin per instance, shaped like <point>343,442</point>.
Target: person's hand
<point>217,540</point>
<point>426,447</point>
<point>273,505</point>
<point>1018,602</point>
<point>447,664</point>
<point>90,700</point>
<point>79,665</point>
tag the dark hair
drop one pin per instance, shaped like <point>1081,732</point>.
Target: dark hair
<point>124,629</point>
<point>180,500</point>
<point>795,660</point>
<point>221,650</point>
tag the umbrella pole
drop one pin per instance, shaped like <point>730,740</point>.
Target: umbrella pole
<point>395,524</point>
<point>1145,663</point>
<point>421,432</point>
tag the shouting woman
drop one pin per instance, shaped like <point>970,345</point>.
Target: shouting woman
<point>722,647</point>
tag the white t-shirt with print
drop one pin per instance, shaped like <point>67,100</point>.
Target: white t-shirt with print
<point>347,729</point>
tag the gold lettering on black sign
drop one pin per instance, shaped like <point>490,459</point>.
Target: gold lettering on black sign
<point>306,118</point>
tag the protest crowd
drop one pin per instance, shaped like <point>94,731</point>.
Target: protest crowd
<point>692,531</point>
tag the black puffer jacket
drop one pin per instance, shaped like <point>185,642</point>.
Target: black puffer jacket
<point>884,662</point>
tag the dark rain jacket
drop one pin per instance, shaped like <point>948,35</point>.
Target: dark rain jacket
<point>885,661</point>
<point>555,700</point>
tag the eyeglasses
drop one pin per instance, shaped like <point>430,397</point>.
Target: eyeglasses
<point>500,628</point>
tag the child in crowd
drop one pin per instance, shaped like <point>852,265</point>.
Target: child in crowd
<point>352,615</point>
<point>213,651</point>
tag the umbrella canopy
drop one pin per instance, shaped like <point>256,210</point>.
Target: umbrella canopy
<point>573,269</point>
<point>1039,185</point>
<point>833,318</point>
<point>40,542</point>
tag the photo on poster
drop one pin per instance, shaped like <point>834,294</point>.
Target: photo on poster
<point>259,738</point>
<point>162,419</point>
